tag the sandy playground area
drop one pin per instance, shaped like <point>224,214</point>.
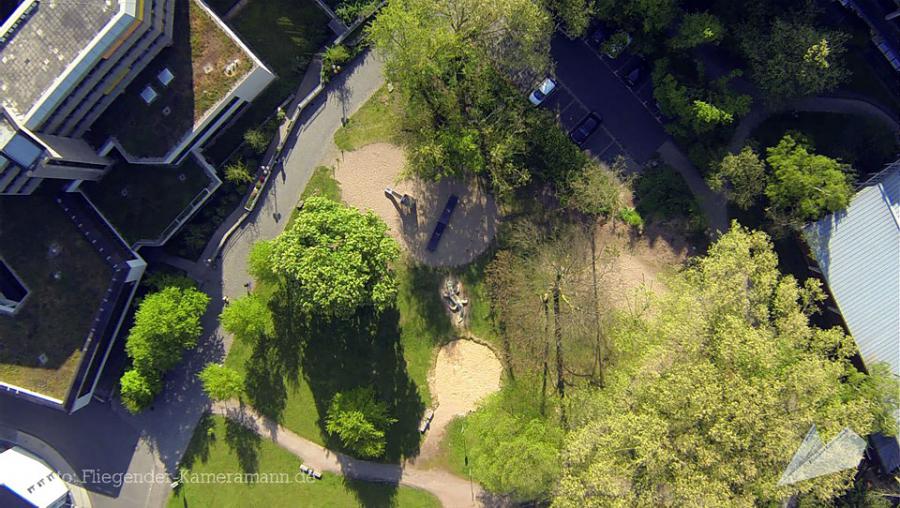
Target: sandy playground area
<point>465,372</point>
<point>365,173</point>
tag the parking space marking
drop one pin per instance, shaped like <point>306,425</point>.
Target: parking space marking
<point>584,112</point>
<point>615,71</point>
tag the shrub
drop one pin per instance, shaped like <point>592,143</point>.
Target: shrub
<point>359,421</point>
<point>256,140</point>
<point>237,172</point>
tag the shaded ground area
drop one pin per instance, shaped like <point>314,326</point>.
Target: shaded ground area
<point>293,377</point>
<point>205,62</point>
<point>66,279</point>
<point>865,143</point>
<point>465,372</point>
<point>222,445</point>
<point>141,201</point>
<point>365,173</point>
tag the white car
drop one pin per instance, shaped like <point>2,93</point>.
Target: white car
<point>540,94</point>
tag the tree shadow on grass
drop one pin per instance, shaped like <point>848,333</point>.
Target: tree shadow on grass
<point>203,438</point>
<point>364,350</point>
<point>245,443</point>
<point>420,298</point>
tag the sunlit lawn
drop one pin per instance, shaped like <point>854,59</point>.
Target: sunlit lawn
<point>272,479</point>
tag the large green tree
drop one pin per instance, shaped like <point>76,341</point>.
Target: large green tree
<point>742,175</point>
<point>511,449</point>
<point>795,58</point>
<point>648,16</point>
<point>804,185</point>
<point>698,28</point>
<point>332,260</point>
<point>166,323</point>
<point>575,15</point>
<point>360,421</point>
<point>221,382</point>
<point>724,380</point>
<point>455,62</point>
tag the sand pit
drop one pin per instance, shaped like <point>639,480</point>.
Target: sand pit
<point>465,373</point>
<point>365,173</point>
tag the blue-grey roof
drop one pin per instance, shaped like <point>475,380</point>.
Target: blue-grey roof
<point>858,251</point>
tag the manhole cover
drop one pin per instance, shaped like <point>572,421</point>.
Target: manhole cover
<point>182,177</point>
<point>54,250</point>
<point>42,359</point>
<point>124,192</point>
<point>167,111</point>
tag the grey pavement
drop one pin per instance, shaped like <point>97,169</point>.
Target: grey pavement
<point>103,437</point>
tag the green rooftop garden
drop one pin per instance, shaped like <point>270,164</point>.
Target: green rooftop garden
<point>198,57</point>
<point>223,446</point>
<point>141,201</point>
<point>66,279</point>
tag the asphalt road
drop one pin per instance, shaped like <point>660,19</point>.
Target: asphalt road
<point>590,83</point>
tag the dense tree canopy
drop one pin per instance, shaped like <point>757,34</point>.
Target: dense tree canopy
<point>698,28</point>
<point>455,62</point>
<point>221,382</point>
<point>804,185</point>
<point>722,384</point>
<point>166,323</point>
<point>359,421</point>
<point>575,15</point>
<point>332,260</point>
<point>795,58</point>
<point>742,176</point>
<point>648,16</point>
<point>697,110</point>
<point>513,450</point>
<point>596,190</point>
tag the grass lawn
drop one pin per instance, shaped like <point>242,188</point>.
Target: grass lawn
<point>862,142</point>
<point>56,316</point>
<point>393,352</point>
<point>142,200</point>
<point>378,120</point>
<point>198,46</point>
<point>222,446</point>
<point>284,34</point>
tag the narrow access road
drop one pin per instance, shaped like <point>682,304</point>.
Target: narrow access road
<point>451,490</point>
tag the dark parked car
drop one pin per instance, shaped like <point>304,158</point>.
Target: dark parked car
<point>636,74</point>
<point>597,36</point>
<point>585,128</point>
<point>442,223</point>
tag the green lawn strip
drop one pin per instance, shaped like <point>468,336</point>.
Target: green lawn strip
<point>141,201</point>
<point>378,120</point>
<point>284,34</point>
<point>481,322</point>
<point>294,377</point>
<point>863,142</point>
<point>223,446</point>
<point>321,183</point>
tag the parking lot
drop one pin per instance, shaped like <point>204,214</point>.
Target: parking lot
<point>590,82</point>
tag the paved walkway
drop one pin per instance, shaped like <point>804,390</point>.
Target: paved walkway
<point>713,204</point>
<point>843,105</point>
<point>450,489</point>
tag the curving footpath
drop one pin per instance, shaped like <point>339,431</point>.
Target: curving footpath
<point>451,490</point>
<point>841,105</point>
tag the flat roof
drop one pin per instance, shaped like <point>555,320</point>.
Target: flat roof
<point>47,40</point>
<point>41,345</point>
<point>30,478</point>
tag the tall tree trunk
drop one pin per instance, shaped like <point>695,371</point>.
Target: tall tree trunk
<point>546,354</point>
<point>557,334</point>
<point>598,341</point>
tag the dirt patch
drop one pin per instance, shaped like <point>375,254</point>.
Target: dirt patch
<point>640,259</point>
<point>365,173</point>
<point>465,372</point>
